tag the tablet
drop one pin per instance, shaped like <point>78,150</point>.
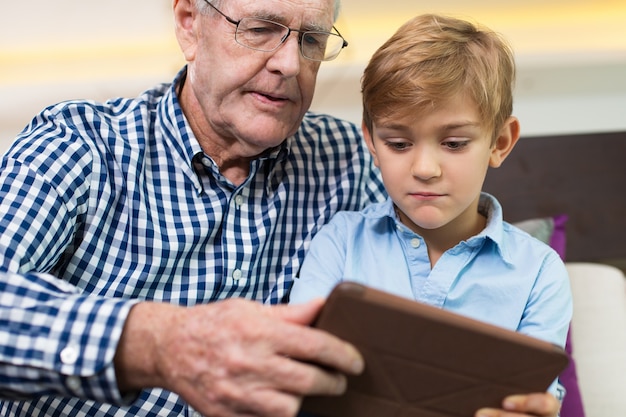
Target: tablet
<point>422,361</point>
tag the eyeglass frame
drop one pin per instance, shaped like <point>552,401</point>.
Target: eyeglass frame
<point>285,37</point>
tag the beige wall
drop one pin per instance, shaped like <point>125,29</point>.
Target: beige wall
<point>563,97</point>
<point>571,63</point>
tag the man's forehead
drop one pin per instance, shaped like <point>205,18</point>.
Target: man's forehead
<point>308,14</point>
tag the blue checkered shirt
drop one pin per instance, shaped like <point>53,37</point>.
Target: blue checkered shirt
<point>106,204</point>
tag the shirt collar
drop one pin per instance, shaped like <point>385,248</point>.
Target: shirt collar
<point>173,123</point>
<point>488,206</point>
<point>177,132</point>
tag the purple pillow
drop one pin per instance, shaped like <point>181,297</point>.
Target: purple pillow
<point>572,403</point>
<point>551,230</point>
<point>558,238</point>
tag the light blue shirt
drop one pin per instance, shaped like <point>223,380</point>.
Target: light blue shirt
<point>501,276</point>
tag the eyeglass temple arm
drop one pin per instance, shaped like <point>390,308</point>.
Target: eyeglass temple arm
<point>345,42</point>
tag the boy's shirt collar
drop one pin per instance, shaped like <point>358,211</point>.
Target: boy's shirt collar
<point>488,206</point>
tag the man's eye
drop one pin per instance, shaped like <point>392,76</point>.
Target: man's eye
<point>261,29</point>
<point>314,39</point>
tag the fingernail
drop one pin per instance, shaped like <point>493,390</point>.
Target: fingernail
<point>358,365</point>
<point>511,402</point>
<point>342,385</point>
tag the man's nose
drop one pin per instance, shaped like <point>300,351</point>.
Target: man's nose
<point>287,58</point>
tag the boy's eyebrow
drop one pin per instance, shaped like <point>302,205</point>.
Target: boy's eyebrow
<point>457,125</point>
<point>445,127</point>
<point>390,124</point>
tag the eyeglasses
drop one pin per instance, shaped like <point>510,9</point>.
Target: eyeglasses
<point>266,36</point>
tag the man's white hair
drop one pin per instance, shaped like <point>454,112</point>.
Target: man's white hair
<point>203,7</point>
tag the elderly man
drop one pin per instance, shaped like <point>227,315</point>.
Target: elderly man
<point>140,238</point>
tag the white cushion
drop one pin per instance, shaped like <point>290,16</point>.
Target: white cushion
<point>599,337</point>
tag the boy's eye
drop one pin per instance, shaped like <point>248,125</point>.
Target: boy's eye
<point>398,146</point>
<point>455,144</point>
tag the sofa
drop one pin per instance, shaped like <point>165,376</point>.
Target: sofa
<point>568,190</point>
<point>598,336</point>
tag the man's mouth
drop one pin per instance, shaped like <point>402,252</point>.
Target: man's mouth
<point>271,97</point>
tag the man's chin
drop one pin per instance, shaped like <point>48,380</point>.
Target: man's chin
<point>269,130</point>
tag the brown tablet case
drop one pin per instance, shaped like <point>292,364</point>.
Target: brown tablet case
<point>422,361</point>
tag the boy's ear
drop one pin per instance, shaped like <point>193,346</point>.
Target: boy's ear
<point>367,135</point>
<point>506,140</point>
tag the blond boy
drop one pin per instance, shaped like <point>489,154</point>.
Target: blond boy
<point>437,99</point>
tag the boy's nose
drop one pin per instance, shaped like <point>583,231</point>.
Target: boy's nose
<point>425,165</point>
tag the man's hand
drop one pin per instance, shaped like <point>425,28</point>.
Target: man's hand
<point>234,357</point>
<point>537,405</point>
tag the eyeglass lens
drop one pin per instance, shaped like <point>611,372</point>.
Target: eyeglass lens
<point>265,35</point>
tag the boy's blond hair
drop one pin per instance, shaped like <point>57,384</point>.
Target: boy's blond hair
<point>430,59</point>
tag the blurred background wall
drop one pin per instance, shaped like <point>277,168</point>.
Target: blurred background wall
<point>571,55</point>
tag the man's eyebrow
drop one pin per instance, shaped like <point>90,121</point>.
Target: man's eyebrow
<point>316,27</point>
<point>272,16</point>
<point>262,14</point>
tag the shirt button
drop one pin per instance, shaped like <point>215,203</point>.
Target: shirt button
<point>73,383</point>
<point>196,414</point>
<point>237,274</point>
<point>206,162</point>
<point>239,200</point>
<point>69,355</point>
<point>415,242</point>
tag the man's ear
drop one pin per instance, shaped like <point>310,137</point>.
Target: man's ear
<point>505,142</point>
<point>367,135</point>
<point>185,15</point>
